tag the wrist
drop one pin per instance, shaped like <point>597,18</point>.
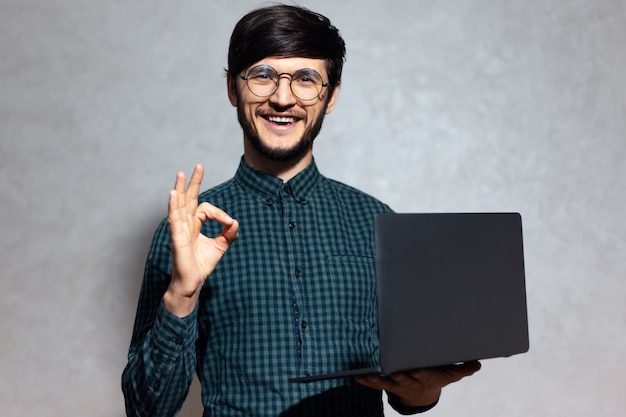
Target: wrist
<point>179,304</point>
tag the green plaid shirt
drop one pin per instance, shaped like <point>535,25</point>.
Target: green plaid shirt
<point>294,295</point>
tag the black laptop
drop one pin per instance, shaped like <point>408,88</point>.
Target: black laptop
<point>451,288</point>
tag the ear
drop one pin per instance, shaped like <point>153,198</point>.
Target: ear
<point>333,99</point>
<point>231,85</point>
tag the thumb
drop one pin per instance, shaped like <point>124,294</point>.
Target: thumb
<point>230,232</point>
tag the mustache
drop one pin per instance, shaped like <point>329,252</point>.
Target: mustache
<point>289,113</point>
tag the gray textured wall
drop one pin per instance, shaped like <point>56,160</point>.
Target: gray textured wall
<point>465,105</point>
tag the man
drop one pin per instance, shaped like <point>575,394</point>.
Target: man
<point>288,288</point>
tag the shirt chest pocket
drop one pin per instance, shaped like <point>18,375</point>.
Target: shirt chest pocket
<point>352,284</point>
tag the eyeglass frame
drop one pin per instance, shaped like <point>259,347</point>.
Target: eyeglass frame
<point>279,76</point>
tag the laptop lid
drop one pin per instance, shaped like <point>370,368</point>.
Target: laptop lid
<point>451,288</point>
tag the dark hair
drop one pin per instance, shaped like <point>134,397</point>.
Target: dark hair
<point>286,31</point>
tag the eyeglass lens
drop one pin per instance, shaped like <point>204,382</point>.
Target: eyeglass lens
<point>306,83</point>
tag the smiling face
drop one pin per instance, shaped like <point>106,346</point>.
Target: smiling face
<point>280,127</point>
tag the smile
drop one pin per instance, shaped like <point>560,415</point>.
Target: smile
<point>281,120</point>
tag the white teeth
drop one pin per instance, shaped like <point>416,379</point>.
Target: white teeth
<point>276,119</point>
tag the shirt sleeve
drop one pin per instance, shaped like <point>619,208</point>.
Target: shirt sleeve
<point>162,354</point>
<point>397,404</point>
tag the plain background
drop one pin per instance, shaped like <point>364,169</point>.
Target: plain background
<point>464,105</point>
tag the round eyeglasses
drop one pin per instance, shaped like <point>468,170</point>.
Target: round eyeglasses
<point>306,84</point>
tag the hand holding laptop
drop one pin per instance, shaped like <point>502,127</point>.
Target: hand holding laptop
<point>420,387</point>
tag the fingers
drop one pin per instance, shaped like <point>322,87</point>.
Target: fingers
<point>180,227</point>
<point>230,230</point>
<point>181,180</point>
<point>184,203</point>
<point>409,389</point>
<point>452,373</point>
<point>467,368</point>
<point>375,382</point>
<point>178,193</point>
<point>188,194</point>
<point>207,211</point>
<point>174,216</point>
<point>421,386</point>
<point>193,189</point>
<point>445,375</point>
<point>391,382</point>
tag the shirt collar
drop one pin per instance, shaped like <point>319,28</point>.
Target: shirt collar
<point>269,188</point>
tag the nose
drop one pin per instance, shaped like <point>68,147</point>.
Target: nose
<point>283,95</point>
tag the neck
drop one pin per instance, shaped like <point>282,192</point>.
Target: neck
<point>283,170</point>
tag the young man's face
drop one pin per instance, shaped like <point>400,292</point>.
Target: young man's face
<point>281,126</point>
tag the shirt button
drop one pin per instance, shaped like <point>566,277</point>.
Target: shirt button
<point>303,324</point>
<point>292,225</point>
<point>287,189</point>
<point>269,201</point>
<point>298,273</point>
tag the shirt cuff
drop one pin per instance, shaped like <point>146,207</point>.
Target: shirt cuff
<point>175,334</point>
<point>396,403</point>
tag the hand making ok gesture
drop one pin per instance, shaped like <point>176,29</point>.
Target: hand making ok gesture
<point>194,255</point>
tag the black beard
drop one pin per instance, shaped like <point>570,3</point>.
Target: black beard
<point>293,153</point>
